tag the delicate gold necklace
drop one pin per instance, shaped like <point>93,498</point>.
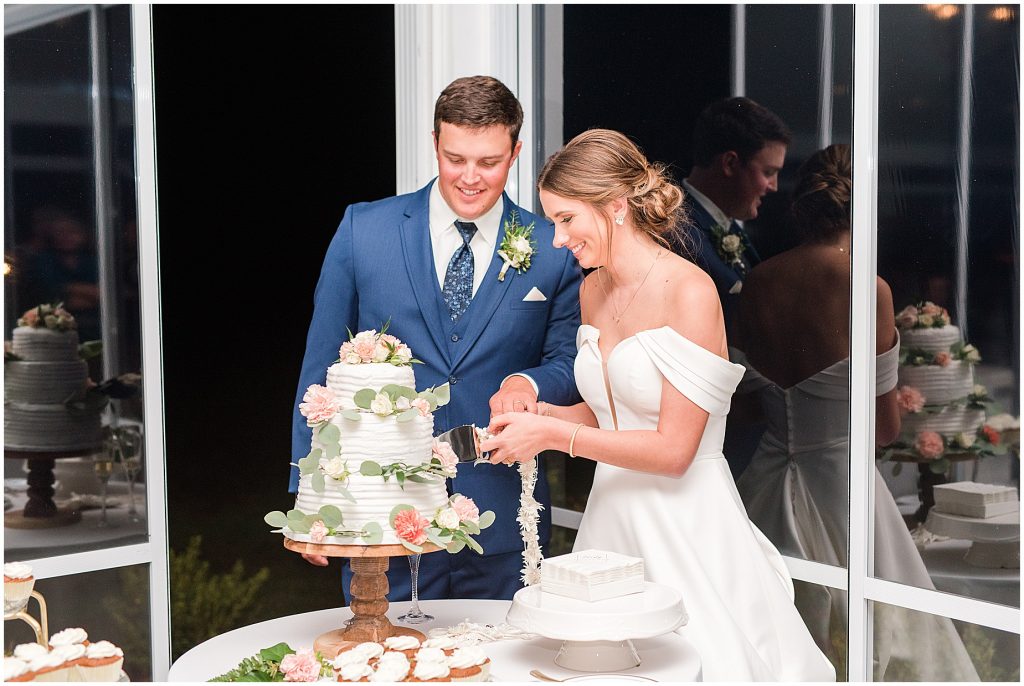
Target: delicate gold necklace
<point>618,314</point>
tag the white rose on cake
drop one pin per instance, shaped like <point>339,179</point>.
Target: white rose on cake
<point>381,405</point>
<point>334,467</point>
<point>447,518</point>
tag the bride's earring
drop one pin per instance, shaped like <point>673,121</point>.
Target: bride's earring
<point>620,219</point>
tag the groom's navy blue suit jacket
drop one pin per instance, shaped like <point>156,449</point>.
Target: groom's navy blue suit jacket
<point>380,267</point>
<point>700,246</point>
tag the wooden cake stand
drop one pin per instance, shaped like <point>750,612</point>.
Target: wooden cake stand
<point>367,595</point>
<point>40,511</point>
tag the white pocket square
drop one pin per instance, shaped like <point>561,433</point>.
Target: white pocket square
<point>534,296</point>
<point>736,288</point>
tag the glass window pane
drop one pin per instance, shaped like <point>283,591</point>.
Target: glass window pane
<point>824,611</point>
<point>66,243</point>
<point>110,605</point>
<point>917,646</point>
<point>947,246</point>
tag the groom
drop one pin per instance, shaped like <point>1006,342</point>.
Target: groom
<point>427,262</point>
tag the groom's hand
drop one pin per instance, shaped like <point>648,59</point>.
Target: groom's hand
<point>515,395</point>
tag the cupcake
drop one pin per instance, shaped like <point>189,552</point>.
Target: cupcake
<point>18,584</point>
<point>392,666</point>
<point>469,664</point>
<point>16,670</point>
<point>446,643</point>
<point>403,644</point>
<point>430,670</point>
<point>73,655</point>
<point>355,671</point>
<point>49,667</point>
<point>29,651</point>
<point>69,637</point>
<point>102,662</point>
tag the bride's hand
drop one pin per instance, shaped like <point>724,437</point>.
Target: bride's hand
<point>519,436</point>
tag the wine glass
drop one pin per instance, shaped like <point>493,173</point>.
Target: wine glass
<point>103,465</point>
<point>130,442</point>
<point>415,615</point>
<point>132,466</point>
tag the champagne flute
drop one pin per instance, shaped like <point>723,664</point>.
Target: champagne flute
<point>104,467</point>
<point>132,466</point>
<point>415,615</point>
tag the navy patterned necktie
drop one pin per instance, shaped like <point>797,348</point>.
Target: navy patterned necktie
<point>458,280</point>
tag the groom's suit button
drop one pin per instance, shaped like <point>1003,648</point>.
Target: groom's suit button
<point>453,380</point>
<point>455,338</point>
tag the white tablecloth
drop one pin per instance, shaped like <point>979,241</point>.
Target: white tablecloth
<point>951,573</point>
<point>665,658</point>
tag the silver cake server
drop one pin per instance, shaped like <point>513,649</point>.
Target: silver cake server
<point>464,441</point>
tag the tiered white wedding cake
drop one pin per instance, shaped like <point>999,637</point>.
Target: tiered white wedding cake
<point>375,475</point>
<point>43,377</point>
<point>943,407</point>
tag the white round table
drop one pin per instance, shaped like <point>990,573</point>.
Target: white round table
<point>665,658</point>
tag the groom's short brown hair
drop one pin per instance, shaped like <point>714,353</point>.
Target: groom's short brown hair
<point>477,102</point>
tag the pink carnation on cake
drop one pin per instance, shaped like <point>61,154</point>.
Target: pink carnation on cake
<point>389,339</point>
<point>319,404</point>
<point>909,399</point>
<point>301,666</point>
<point>422,405</point>
<point>466,509</point>
<point>943,358</point>
<point>31,317</point>
<point>446,456</point>
<point>318,531</point>
<point>929,445</point>
<point>364,344</point>
<point>411,527</point>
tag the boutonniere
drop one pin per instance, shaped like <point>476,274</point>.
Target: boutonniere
<point>730,246</point>
<point>518,246</point>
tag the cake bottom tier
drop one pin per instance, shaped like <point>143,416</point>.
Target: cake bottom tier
<point>375,499</point>
<point>49,427</point>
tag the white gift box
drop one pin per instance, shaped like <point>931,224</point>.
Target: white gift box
<point>592,575</point>
<point>970,499</point>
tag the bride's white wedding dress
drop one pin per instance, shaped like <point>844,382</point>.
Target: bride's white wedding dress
<point>796,490</point>
<point>692,531</point>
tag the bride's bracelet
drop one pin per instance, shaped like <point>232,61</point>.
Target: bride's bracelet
<point>572,439</point>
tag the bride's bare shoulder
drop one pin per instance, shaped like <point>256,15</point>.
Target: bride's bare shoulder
<point>690,304</point>
<point>685,282</point>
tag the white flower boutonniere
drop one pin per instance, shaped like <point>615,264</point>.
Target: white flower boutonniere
<point>518,246</point>
<point>730,246</point>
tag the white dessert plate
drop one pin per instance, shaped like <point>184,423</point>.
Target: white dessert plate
<point>609,678</point>
<point>656,611</point>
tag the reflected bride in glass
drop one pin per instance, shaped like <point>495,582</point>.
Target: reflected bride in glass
<point>652,369</point>
<point>793,336</point>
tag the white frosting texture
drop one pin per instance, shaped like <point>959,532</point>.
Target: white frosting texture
<point>13,667</point>
<point>939,384</point>
<point>28,651</point>
<point>18,570</point>
<point>930,339</point>
<point>402,643</point>
<point>431,670</point>
<point>69,637</point>
<point>102,649</point>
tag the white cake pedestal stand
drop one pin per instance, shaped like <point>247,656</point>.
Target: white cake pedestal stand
<point>996,539</point>
<point>598,636</point>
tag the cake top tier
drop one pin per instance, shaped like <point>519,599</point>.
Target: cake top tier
<point>371,347</point>
<point>47,316</point>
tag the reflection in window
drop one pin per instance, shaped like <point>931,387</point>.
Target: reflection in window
<point>947,245</point>
<point>904,650</point>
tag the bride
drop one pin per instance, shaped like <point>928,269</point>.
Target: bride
<point>652,368</point>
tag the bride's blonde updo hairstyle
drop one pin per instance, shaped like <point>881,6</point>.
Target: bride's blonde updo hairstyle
<point>601,165</point>
<point>821,200</point>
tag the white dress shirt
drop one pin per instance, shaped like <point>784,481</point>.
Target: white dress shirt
<point>445,239</point>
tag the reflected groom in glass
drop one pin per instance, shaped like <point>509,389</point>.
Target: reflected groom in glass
<point>427,262</point>
<point>739,148</point>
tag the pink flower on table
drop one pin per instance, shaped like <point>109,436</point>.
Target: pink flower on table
<point>929,445</point>
<point>943,358</point>
<point>411,527</point>
<point>301,666</point>
<point>318,531</point>
<point>444,453</point>
<point>907,317</point>
<point>423,406</point>
<point>319,404</point>
<point>466,509</point>
<point>909,399</point>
